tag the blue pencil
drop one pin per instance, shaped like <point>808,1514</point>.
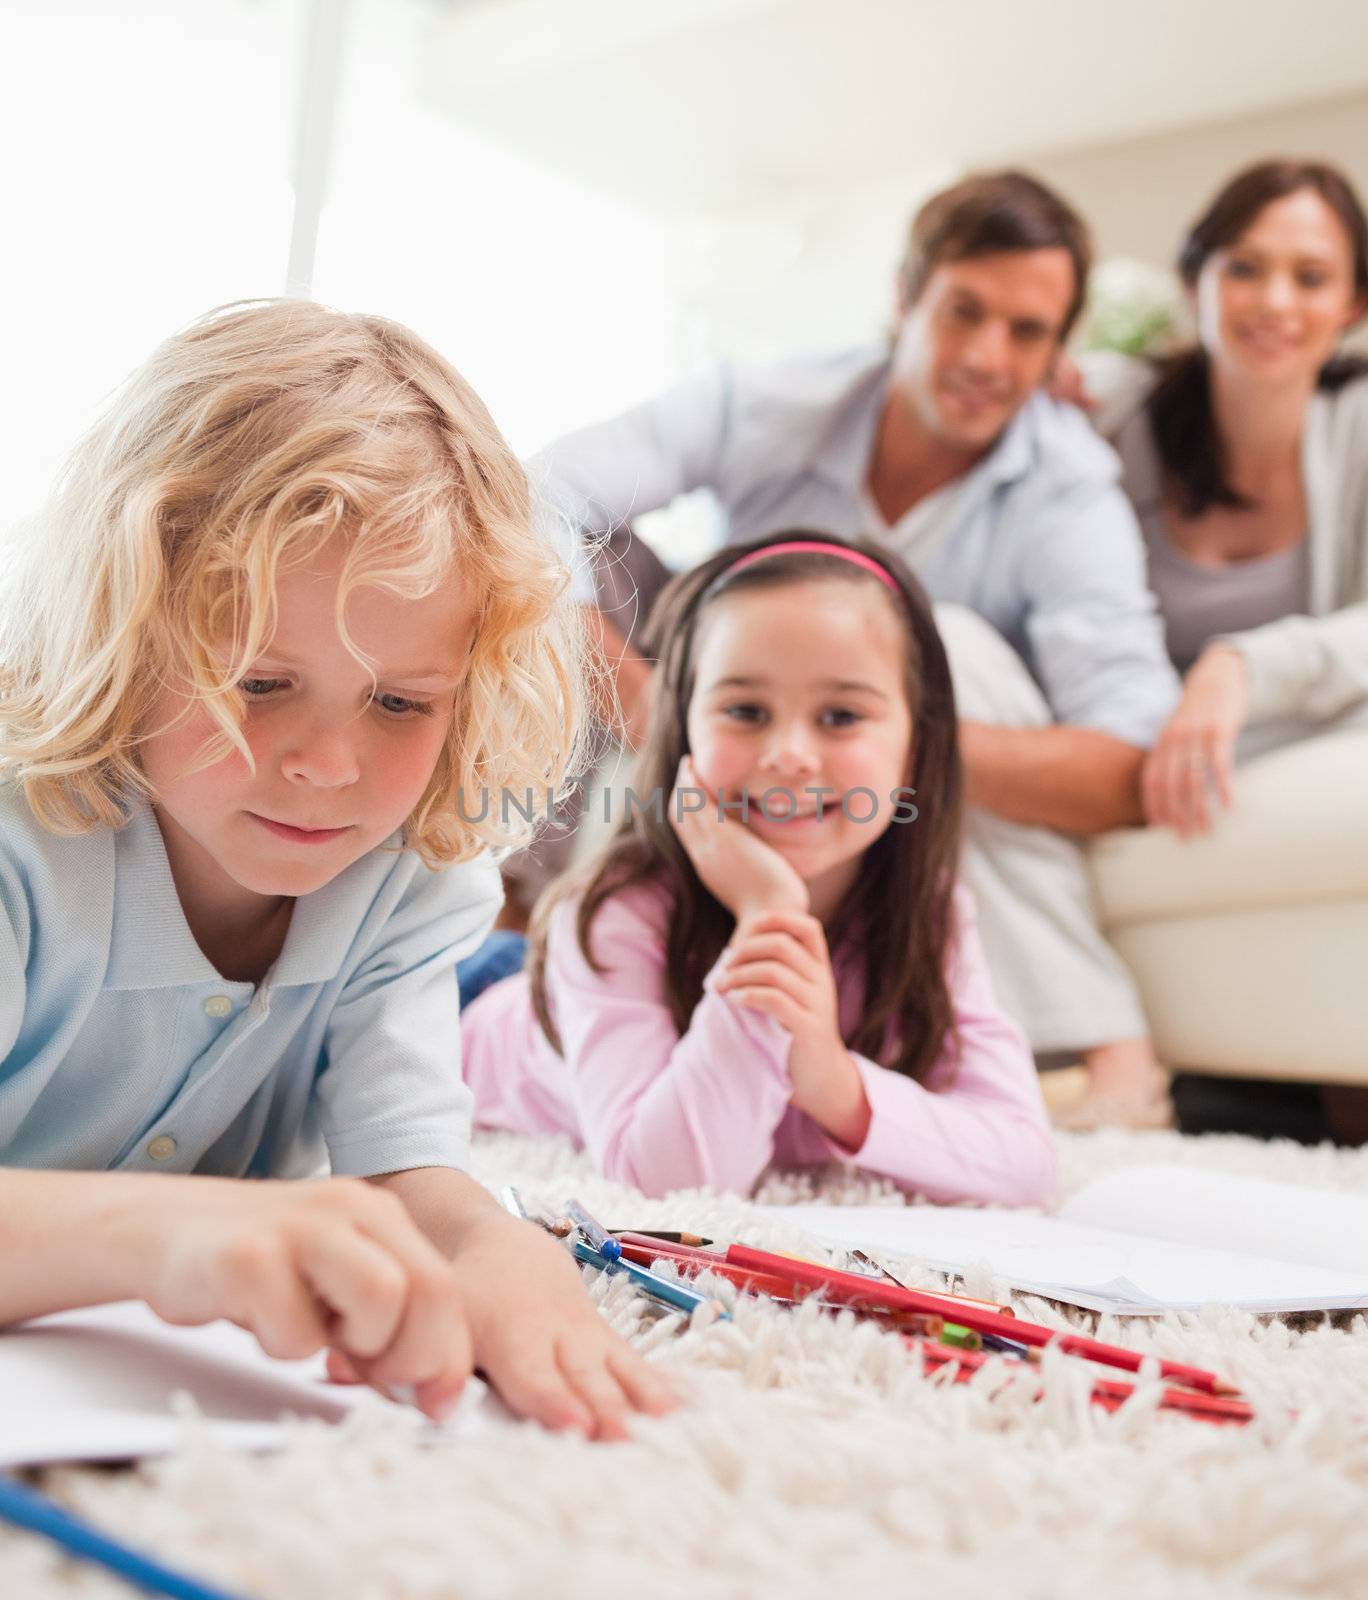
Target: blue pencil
<point>26,1508</point>
<point>673,1294</point>
<point>597,1235</point>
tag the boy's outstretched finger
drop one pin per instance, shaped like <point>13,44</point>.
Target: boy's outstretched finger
<point>341,1368</point>
<point>591,1378</point>
<point>541,1393</point>
<point>646,1389</point>
<point>432,1349</point>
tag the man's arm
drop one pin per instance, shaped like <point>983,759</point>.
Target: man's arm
<point>602,476</point>
<point>622,698</point>
<point>1075,780</point>
<point>1098,643</point>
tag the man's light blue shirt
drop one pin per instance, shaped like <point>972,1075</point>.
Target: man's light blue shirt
<point>1038,537</point>
<point>122,1048</point>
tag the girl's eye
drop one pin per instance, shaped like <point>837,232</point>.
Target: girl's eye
<point>1240,269</point>
<point>745,712</point>
<point>259,688</point>
<point>840,717</point>
<point>398,706</point>
<point>1312,280</point>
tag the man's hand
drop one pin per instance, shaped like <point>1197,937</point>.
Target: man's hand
<point>734,864</point>
<point>779,964</point>
<point>1196,751</point>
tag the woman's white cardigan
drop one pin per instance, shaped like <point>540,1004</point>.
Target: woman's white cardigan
<point>1313,666</point>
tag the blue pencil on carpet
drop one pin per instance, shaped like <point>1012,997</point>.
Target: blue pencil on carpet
<point>676,1295</point>
<point>26,1508</point>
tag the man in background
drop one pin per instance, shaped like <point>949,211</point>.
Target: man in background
<point>1008,509</point>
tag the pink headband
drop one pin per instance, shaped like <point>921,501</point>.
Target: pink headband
<point>818,547</point>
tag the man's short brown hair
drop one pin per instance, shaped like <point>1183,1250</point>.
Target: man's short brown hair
<point>990,213</point>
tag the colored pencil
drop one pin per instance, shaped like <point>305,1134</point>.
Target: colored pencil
<point>677,1296</point>
<point>597,1235</point>
<point>26,1508</point>
<point>850,1288</point>
<point>693,1240</point>
<point>1106,1392</point>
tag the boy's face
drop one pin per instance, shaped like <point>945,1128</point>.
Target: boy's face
<point>341,759</point>
<point>980,339</point>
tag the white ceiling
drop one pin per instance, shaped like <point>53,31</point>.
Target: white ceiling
<point>695,106</point>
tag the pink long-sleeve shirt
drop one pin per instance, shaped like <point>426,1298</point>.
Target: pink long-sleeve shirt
<point>662,1111</point>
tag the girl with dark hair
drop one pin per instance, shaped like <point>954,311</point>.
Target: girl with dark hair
<point>769,960</point>
<point>1247,459</point>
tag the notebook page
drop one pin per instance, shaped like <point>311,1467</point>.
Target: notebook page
<point>1255,1216</point>
<point>100,1384</point>
<point>1100,1269</point>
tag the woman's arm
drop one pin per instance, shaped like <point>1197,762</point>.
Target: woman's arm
<point>1314,667</point>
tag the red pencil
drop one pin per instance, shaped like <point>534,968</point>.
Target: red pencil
<point>849,1288</point>
<point>1106,1392</point>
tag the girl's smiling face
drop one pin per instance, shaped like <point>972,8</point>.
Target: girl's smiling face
<point>799,688</point>
<point>341,758</point>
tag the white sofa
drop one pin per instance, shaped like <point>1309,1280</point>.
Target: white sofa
<point>1250,944</point>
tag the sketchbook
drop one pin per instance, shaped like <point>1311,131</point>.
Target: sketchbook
<point>115,1383</point>
<point>1141,1241</point>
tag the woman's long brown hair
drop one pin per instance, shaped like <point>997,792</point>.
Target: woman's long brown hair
<point>1179,408</point>
<point>894,926</point>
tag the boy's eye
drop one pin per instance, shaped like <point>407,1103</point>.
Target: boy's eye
<point>258,688</point>
<point>1240,269</point>
<point>399,706</point>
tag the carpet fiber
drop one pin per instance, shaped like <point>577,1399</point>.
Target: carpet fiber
<point>810,1453</point>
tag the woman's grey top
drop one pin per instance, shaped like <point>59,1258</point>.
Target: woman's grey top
<point>1299,617</point>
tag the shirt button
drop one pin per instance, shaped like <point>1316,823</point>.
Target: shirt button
<point>162,1148</point>
<point>217,1005</point>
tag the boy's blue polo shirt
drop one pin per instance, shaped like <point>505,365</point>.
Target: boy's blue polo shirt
<point>122,1048</point>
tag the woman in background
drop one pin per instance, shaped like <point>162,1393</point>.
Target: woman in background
<point>1246,457</point>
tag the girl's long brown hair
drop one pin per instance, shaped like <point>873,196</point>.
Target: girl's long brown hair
<point>1179,408</point>
<point>894,925</point>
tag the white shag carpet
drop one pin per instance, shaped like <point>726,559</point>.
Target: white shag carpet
<point>810,1457</point>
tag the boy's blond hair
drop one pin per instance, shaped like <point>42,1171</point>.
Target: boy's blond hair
<point>246,442</point>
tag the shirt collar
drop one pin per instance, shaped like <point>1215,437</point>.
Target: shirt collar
<point>152,947</point>
<point>843,457</point>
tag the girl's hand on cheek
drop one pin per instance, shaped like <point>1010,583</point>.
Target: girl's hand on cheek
<point>779,965</point>
<point>735,866</point>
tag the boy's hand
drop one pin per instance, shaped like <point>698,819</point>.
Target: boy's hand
<point>734,864</point>
<point>535,1332</point>
<point>305,1266</point>
<point>538,1338</point>
<point>780,965</point>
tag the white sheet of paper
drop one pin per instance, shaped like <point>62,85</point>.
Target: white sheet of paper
<point>1208,1245</point>
<point>1282,1221</point>
<point>100,1385</point>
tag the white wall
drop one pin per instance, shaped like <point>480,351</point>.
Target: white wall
<point>820,271</point>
